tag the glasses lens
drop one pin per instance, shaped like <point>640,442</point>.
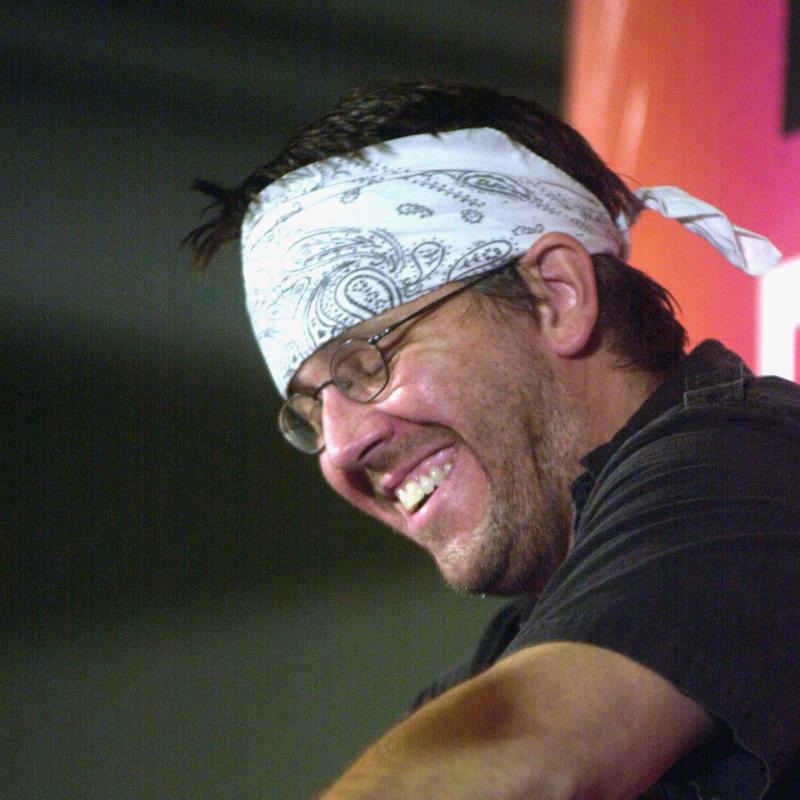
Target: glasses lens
<point>301,423</point>
<point>359,370</point>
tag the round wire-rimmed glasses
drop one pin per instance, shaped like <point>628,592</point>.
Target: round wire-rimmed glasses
<point>358,370</point>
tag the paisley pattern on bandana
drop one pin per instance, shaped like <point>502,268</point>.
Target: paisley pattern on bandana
<point>338,242</point>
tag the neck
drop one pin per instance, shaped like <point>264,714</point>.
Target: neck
<point>606,396</point>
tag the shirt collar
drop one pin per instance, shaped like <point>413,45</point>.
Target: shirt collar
<point>707,356</point>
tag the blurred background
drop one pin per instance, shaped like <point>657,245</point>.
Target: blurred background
<point>187,611</point>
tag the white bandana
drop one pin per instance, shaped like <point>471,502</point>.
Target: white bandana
<point>340,241</point>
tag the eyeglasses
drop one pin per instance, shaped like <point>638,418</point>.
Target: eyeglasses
<point>358,370</point>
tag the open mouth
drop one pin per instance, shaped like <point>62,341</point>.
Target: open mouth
<point>415,492</point>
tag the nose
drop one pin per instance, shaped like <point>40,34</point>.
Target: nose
<point>351,430</point>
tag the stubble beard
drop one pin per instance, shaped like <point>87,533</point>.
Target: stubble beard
<point>527,526</point>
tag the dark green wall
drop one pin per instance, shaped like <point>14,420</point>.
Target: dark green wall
<point>187,611</point>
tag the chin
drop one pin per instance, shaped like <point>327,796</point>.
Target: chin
<point>473,570</point>
<point>504,558</point>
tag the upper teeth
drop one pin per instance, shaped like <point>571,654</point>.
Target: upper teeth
<point>412,493</point>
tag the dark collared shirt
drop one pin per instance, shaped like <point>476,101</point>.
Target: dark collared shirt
<point>686,558</point>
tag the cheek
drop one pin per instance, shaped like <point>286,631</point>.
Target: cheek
<point>426,391</point>
<point>412,401</point>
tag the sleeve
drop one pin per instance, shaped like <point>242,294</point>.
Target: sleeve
<point>687,560</point>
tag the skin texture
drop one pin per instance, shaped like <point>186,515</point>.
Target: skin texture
<point>512,402</point>
<point>558,722</point>
<point>485,535</point>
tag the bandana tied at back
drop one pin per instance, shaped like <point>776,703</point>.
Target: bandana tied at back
<point>340,241</point>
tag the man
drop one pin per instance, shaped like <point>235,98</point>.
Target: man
<point>463,345</point>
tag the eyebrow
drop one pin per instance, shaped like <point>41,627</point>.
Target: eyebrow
<point>297,385</point>
<point>365,330</point>
<point>325,351</point>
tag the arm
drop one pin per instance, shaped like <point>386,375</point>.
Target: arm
<point>558,721</point>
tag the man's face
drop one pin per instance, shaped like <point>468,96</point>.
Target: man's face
<point>471,402</point>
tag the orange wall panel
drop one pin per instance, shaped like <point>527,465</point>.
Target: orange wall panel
<point>691,93</point>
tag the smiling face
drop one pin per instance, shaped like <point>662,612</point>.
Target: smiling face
<point>469,449</point>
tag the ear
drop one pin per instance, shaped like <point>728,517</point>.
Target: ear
<point>558,270</point>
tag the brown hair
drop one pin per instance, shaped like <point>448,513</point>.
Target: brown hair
<point>636,313</point>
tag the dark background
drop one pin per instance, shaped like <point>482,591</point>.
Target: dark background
<point>791,117</point>
<point>187,611</point>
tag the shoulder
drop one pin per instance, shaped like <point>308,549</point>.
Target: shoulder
<point>687,560</point>
<point>732,437</point>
